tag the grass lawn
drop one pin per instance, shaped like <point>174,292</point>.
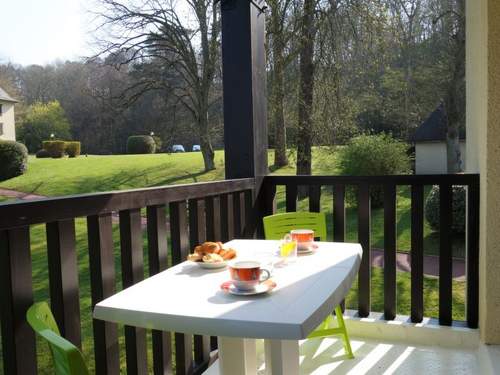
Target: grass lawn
<point>3,198</point>
<point>55,177</point>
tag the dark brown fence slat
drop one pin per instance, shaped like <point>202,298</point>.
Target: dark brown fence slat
<point>227,217</point>
<point>248,230</point>
<point>213,222</point>
<point>132,273</point>
<point>445,255</point>
<point>417,253</point>
<point>243,214</point>
<point>314,198</point>
<point>472,239</point>
<point>197,235</point>
<point>291,198</point>
<point>237,215</point>
<point>389,251</point>
<point>63,278</point>
<point>180,250</point>
<point>158,261</point>
<point>16,296</point>
<point>339,213</point>
<point>102,285</point>
<point>364,273</point>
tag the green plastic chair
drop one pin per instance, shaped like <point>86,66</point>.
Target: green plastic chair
<point>68,360</point>
<point>275,228</point>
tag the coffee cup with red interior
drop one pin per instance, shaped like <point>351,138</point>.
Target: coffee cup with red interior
<point>247,274</point>
<point>304,238</point>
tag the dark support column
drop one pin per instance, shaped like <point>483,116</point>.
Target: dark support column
<point>244,83</point>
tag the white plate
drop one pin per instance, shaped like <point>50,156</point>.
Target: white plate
<point>211,266</point>
<point>259,289</point>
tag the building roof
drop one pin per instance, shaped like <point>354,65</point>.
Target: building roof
<point>6,97</point>
<point>433,129</point>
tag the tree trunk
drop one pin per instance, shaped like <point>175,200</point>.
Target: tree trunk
<point>206,144</point>
<point>306,87</point>
<point>455,96</point>
<point>277,95</point>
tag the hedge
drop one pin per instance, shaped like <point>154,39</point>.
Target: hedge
<point>373,155</point>
<point>458,209</point>
<point>73,149</point>
<point>41,154</point>
<point>13,159</point>
<point>55,148</point>
<point>141,144</point>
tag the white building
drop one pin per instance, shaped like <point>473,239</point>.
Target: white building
<point>7,118</point>
<point>430,145</point>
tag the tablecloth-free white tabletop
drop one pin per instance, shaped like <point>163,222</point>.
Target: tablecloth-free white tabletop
<point>188,299</point>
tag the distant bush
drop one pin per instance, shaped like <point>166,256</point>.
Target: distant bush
<point>40,154</point>
<point>55,148</point>
<point>458,209</point>
<point>158,143</point>
<point>374,155</point>
<point>42,120</point>
<point>73,149</point>
<point>141,144</point>
<point>13,159</point>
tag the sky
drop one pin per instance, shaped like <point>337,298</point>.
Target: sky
<point>43,31</point>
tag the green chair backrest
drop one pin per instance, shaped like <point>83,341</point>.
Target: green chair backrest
<point>68,360</point>
<point>276,226</point>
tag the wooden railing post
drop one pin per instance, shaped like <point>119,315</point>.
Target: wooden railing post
<point>16,296</point>
<point>364,228</point>
<point>445,254</point>
<point>197,235</point>
<point>102,285</point>
<point>417,253</point>
<point>180,250</point>
<point>390,251</point>
<point>132,273</point>
<point>63,278</point>
<point>472,239</point>
<point>158,261</point>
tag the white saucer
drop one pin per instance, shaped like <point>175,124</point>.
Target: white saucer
<point>306,251</point>
<point>211,266</point>
<point>259,289</point>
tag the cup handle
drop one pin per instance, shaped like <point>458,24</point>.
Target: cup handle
<point>266,277</point>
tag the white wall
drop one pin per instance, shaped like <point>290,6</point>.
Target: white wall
<point>7,119</point>
<point>430,157</point>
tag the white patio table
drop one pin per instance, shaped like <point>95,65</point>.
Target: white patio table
<point>188,299</point>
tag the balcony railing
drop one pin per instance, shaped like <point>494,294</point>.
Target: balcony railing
<point>177,218</point>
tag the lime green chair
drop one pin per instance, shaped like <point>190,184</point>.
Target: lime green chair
<point>68,360</point>
<point>275,228</point>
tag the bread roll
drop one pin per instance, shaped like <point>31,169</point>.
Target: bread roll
<point>210,247</point>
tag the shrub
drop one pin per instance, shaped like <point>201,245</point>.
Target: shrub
<point>73,149</point>
<point>458,209</point>
<point>13,159</point>
<point>40,154</point>
<point>158,143</point>
<point>373,155</point>
<point>55,148</point>
<point>141,144</point>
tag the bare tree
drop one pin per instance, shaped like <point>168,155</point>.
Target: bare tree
<point>279,34</point>
<point>454,102</point>
<point>184,39</point>
<point>306,88</point>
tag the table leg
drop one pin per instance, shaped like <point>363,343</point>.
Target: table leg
<point>282,357</point>
<point>237,356</point>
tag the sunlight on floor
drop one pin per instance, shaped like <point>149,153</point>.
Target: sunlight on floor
<point>326,356</point>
